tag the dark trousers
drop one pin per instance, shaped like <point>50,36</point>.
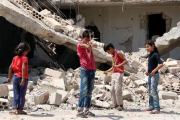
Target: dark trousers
<point>19,93</point>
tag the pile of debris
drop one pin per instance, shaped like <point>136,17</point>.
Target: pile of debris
<point>57,87</point>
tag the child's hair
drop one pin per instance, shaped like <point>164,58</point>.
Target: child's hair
<point>108,46</point>
<point>86,34</point>
<point>21,48</point>
<point>151,43</point>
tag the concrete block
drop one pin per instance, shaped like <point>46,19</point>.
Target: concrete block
<point>54,73</point>
<point>3,80</point>
<point>141,90</point>
<point>126,94</point>
<point>99,103</point>
<point>140,75</point>
<point>171,64</point>
<point>10,97</point>
<point>4,91</point>
<point>64,95</point>
<point>174,70</point>
<point>140,83</point>
<point>46,12</point>
<point>30,100</point>
<point>72,100</point>
<point>10,87</point>
<point>4,104</point>
<point>161,88</point>
<point>55,98</point>
<point>168,95</point>
<point>41,96</point>
<point>135,64</point>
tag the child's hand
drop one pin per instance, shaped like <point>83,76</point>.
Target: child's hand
<point>22,83</point>
<point>152,73</point>
<point>105,72</point>
<point>146,73</point>
<point>9,80</point>
<point>115,66</point>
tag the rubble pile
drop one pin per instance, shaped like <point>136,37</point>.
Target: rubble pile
<point>61,88</point>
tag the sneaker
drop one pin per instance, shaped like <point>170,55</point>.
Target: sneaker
<point>90,114</point>
<point>81,115</point>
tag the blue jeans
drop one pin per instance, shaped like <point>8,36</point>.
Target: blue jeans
<point>86,88</point>
<point>153,92</point>
<point>19,93</point>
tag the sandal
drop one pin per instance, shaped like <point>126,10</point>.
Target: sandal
<point>90,114</point>
<point>81,115</point>
<point>22,113</point>
<point>155,112</point>
<point>13,112</point>
<point>147,109</point>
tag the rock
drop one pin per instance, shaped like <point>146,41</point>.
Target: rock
<point>34,79</point>
<point>141,90</point>
<point>99,103</point>
<point>168,95</point>
<point>4,104</point>
<point>41,96</point>
<point>161,88</point>
<point>55,98</point>
<point>64,95</point>
<point>4,91</point>
<point>30,85</point>
<point>163,69</point>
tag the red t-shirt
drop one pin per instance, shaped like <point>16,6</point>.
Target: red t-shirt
<point>17,63</point>
<point>118,61</point>
<point>85,61</point>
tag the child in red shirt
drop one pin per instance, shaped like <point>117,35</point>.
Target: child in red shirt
<point>20,67</point>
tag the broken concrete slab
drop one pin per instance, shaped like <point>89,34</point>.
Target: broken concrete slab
<point>168,95</point>
<point>99,103</point>
<point>139,83</point>
<point>141,90</point>
<point>72,100</point>
<point>126,95</point>
<point>4,104</point>
<point>40,96</point>
<point>171,64</point>
<point>4,91</point>
<point>64,95</point>
<point>10,97</point>
<point>174,70</point>
<point>55,98</point>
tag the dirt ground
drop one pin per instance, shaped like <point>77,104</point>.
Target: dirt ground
<point>128,114</point>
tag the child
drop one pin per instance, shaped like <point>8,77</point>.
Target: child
<point>20,67</point>
<point>117,76</point>
<point>88,69</point>
<point>154,64</point>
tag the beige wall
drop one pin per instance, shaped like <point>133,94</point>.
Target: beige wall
<point>117,27</point>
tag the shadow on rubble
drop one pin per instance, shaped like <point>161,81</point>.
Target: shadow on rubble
<point>170,112</point>
<point>112,117</point>
<point>133,110</point>
<point>41,115</point>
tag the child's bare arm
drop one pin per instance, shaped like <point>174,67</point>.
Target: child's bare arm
<point>85,46</point>
<point>108,70</point>
<point>9,73</point>
<point>121,55</point>
<point>23,74</point>
<point>156,69</point>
